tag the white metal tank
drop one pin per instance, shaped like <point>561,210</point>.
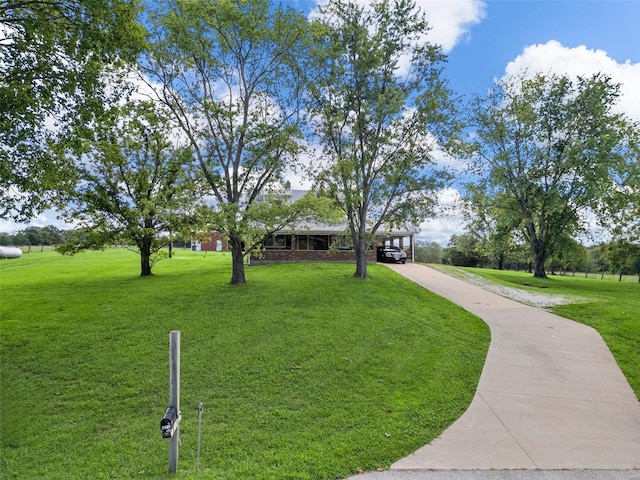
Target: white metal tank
<point>10,252</point>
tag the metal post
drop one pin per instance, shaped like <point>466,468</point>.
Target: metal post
<point>174,396</point>
<point>200,408</point>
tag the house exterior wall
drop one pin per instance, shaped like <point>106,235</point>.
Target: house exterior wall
<point>310,256</point>
<point>301,248</point>
<point>215,243</point>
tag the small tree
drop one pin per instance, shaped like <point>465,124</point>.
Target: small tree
<point>599,258</point>
<point>131,183</point>
<point>622,256</point>
<point>492,221</point>
<point>569,255</point>
<point>430,252</point>
<point>378,106</point>
<point>463,250</point>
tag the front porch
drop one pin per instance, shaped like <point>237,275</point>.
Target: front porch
<point>322,246</point>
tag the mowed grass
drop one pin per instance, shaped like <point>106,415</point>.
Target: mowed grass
<point>611,307</point>
<point>304,373</point>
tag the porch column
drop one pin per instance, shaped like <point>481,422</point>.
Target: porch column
<point>412,248</point>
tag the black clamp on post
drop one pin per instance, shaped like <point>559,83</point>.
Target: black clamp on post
<point>169,422</point>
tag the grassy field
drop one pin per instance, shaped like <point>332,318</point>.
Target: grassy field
<point>304,373</point>
<point>609,306</point>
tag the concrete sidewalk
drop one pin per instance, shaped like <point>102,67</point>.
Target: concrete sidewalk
<point>551,397</point>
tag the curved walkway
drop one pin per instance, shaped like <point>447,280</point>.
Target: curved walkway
<point>550,397</point>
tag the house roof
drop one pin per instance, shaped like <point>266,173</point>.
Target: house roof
<point>293,195</point>
<point>343,229</point>
<point>325,229</point>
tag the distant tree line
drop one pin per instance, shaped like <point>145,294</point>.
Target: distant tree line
<point>618,257</point>
<point>33,236</point>
<point>54,236</point>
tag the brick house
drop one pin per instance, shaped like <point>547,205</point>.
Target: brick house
<point>314,242</point>
<point>327,244</point>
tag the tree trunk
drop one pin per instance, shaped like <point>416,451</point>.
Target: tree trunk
<point>501,262</point>
<point>361,259</point>
<point>540,256</point>
<point>538,268</point>
<point>145,257</point>
<point>237,257</point>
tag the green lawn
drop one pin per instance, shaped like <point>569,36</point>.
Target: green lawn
<point>305,373</point>
<point>609,306</point>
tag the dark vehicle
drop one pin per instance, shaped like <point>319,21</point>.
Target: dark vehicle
<point>391,255</point>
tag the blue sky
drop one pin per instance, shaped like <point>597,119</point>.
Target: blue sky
<point>485,40</point>
<point>509,26</point>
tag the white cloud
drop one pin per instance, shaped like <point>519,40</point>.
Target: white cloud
<point>440,230</point>
<point>553,57</point>
<point>449,220</point>
<point>47,217</point>
<point>449,20</point>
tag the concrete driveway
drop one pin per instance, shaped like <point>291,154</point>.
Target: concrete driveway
<point>550,398</point>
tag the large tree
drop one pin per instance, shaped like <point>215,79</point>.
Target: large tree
<point>378,107</point>
<point>132,183</point>
<point>229,74</point>
<point>552,147</point>
<point>53,58</point>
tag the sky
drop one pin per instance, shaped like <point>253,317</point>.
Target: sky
<point>573,37</point>
<point>486,40</point>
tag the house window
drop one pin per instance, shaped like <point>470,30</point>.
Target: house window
<point>277,242</point>
<point>343,242</point>
<point>313,242</point>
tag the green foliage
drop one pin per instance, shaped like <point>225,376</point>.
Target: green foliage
<point>49,235</point>
<point>464,250</point>
<point>52,60</point>
<point>228,73</point>
<point>87,238</point>
<point>378,105</point>
<point>568,255</point>
<point>620,206</point>
<point>304,373</point>
<point>623,257</point>
<point>132,183</point>
<point>493,221</point>
<point>428,252</point>
<point>551,147</point>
